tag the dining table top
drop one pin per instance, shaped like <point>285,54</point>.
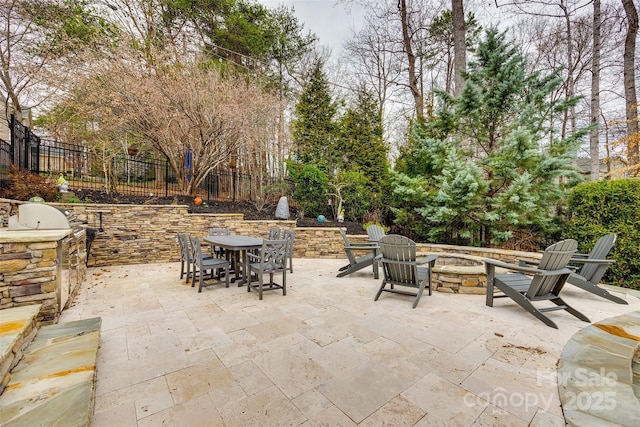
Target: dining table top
<point>235,242</point>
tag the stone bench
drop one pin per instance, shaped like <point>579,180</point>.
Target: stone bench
<point>599,374</point>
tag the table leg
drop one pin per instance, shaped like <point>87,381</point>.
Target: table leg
<point>234,263</point>
<point>243,255</point>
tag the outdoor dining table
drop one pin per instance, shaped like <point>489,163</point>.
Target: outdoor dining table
<point>239,245</point>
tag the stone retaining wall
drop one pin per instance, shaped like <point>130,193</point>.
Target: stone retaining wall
<point>147,233</point>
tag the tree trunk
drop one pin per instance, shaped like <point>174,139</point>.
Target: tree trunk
<point>570,114</point>
<point>459,45</point>
<point>633,145</point>
<point>411,58</point>
<point>594,150</point>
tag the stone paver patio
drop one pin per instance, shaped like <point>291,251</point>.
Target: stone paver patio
<point>325,354</point>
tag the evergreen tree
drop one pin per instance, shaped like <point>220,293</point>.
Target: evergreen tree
<point>363,150</point>
<point>314,130</point>
<point>309,188</point>
<point>488,162</point>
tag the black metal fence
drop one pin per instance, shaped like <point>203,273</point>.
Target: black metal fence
<point>6,159</point>
<point>121,173</point>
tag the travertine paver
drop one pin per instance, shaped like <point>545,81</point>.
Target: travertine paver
<point>324,354</point>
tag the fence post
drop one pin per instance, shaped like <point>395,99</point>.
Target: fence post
<point>12,149</point>
<point>235,183</point>
<point>166,178</point>
<point>15,150</point>
<point>27,149</point>
<point>37,154</point>
<point>209,185</point>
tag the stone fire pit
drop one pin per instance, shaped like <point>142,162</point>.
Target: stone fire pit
<point>460,274</point>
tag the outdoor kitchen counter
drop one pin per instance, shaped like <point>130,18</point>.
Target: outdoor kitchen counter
<point>43,267</point>
<point>29,236</point>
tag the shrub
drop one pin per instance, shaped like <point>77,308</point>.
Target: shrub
<point>24,185</point>
<point>357,195</point>
<point>598,208</point>
<point>309,188</point>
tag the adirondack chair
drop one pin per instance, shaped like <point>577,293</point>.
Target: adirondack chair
<point>543,283</point>
<point>594,265</point>
<point>400,267</point>
<point>358,262</point>
<point>375,233</point>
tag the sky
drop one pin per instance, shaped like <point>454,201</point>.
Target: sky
<point>331,21</point>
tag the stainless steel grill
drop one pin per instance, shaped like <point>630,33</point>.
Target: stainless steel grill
<point>72,249</point>
<point>38,216</point>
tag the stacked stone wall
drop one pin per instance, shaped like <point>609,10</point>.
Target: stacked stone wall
<point>28,275</point>
<point>147,233</point>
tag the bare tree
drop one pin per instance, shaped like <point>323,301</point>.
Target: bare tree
<point>15,34</point>
<point>373,61</point>
<point>407,43</point>
<point>188,112</point>
<point>563,35</point>
<point>594,149</point>
<point>43,46</point>
<point>633,136</point>
<point>459,45</point>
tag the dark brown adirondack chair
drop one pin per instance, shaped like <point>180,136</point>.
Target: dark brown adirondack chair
<point>543,283</point>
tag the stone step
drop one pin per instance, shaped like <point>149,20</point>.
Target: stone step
<point>18,327</point>
<point>54,382</point>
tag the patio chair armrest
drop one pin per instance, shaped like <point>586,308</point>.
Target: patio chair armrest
<point>490,263</point>
<point>252,256</point>
<point>592,261</point>
<point>565,270</point>
<point>371,245</point>
<point>429,259</point>
<point>524,262</point>
<point>579,256</point>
